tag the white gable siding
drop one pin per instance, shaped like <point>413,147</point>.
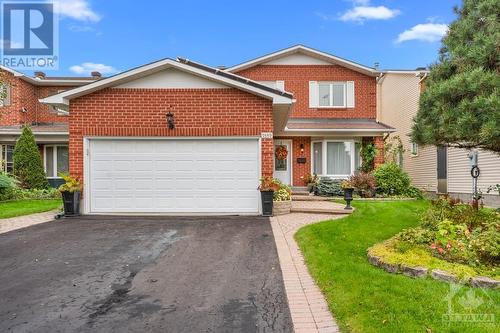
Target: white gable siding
<point>171,78</point>
<point>297,59</point>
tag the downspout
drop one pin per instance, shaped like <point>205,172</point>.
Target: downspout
<point>379,79</point>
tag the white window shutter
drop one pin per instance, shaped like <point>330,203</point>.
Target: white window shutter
<point>313,94</point>
<point>280,85</point>
<point>350,94</point>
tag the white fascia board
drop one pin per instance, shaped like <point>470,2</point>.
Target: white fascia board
<point>309,51</point>
<point>11,71</point>
<point>340,130</point>
<point>64,97</point>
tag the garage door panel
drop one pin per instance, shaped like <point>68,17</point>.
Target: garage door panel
<point>185,176</point>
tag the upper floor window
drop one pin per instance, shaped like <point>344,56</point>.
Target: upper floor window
<point>335,94</point>
<point>5,101</point>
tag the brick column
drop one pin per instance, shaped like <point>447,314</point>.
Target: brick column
<point>379,144</point>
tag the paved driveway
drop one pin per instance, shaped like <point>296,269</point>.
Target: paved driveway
<point>132,274</point>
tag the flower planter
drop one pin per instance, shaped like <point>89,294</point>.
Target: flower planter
<point>282,207</point>
<point>267,202</point>
<point>71,202</point>
<point>348,197</point>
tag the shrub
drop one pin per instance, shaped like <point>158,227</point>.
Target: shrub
<point>364,183</point>
<point>368,153</point>
<point>329,187</point>
<point>8,186</point>
<point>28,166</point>
<point>392,180</point>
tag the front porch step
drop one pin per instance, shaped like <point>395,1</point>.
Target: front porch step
<point>308,198</point>
<point>301,193</point>
<point>334,211</point>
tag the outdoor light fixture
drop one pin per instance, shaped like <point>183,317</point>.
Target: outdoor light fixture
<point>302,148</point>
<point>170,120</point>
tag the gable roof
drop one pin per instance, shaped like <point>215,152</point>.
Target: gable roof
<point>307,51</point>
<point>232,80</point>
<point>49,81</point>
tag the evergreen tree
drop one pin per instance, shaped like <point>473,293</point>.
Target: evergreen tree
<point>28,166</point>
<point>460,105</point>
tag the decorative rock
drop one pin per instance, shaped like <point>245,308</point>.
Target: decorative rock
<point>484,282</point>
<point>391,268</point>
<point>374,260</point>
<point>414,272</point>
<point>444,276</point>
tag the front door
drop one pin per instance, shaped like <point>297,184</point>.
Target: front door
<point>442,170</point>
<point>282,161</point>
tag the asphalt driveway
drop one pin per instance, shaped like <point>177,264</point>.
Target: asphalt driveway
<point>133,274</point>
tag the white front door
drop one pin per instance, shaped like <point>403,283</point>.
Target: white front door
<point>283,166</point>
<point>173,176</point>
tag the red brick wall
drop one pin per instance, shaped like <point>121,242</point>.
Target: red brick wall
<point>379,144</point>
<point>141,112</point>
<point>297,81</point>
<point>299,170</point>
<point>26,95</point>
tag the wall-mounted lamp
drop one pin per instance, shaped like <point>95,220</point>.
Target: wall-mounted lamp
<point>170,120</point>
<point>302,148</point>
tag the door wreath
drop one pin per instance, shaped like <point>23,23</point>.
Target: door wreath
<point>281,153</point>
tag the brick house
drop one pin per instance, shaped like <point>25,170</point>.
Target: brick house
<point>50,125</point>
<point>176,136</point>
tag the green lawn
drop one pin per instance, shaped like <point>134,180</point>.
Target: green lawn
<point>25,207</point>
<point>364,298</point>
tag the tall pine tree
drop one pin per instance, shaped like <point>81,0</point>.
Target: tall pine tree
<point>460,105</point>
<point>28,166</point>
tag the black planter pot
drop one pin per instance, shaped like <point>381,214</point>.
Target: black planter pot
<point>267,202</point>
<point>348,197</point>
<point>71,201</point>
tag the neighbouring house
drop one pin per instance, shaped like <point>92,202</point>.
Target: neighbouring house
<point>176,136</point>
<point>437,170</point>
<point>49,124</point>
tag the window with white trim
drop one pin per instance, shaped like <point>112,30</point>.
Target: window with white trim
<point>414,149</point>
<point>334,158</point>
<point>56,160</point>
<point>7,91</point>
<point>331,94</point>
<point>6,160</point>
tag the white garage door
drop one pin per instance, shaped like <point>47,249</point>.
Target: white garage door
<point>173,176</point>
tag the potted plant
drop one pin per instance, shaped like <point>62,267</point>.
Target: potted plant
<point>311,181</point>
<point>71,191</point>
<point>282,199</point>
<point>348,190</point>
<point>267,187</point>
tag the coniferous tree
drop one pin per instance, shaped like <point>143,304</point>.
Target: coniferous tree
<point>460,105</point>
<point>28,166</point>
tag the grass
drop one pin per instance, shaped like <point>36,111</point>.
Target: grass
<point>26,207</point>
<point>364,298</point>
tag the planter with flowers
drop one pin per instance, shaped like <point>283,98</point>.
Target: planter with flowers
<point>348,191</point>
<point>311,181</point>
<point>71,193</point>
<point>267,187</point>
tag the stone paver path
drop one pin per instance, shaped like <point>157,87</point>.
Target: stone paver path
<point>308,307</point>
<point>19,222</point>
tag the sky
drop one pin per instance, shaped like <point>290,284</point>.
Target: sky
<point>115,35</point>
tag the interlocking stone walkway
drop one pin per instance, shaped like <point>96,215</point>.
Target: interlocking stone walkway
<point>19,222</point>
<point>308,307</point>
